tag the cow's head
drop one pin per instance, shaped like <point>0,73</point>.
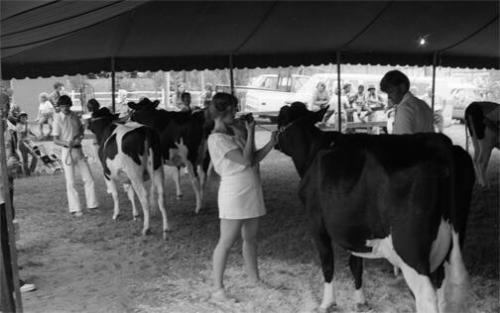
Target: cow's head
<point>294,117</point>
<point>144,104</point>
<point>297,133</point>
<point>100,120</point>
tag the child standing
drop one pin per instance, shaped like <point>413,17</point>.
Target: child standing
<point>24,134</point>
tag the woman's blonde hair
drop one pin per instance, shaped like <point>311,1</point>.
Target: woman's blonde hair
<point>221,104</point>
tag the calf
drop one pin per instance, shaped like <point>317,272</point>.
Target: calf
<point>183,142</point>
<point>404,198</point>
<point>482,120</point>
<point>130,151</point>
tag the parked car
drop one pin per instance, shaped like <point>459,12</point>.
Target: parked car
<point>268,92</point>
<point>461,95</point>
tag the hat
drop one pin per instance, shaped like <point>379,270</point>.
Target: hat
<point>371,86</point>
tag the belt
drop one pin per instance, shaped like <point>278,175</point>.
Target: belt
<point>76,146</point>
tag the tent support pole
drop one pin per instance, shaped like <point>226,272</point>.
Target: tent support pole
<point>113,85</point>
<point>434,64</point>
<point>10,230</point>
<point>231,74</point>
<point>339,97</point>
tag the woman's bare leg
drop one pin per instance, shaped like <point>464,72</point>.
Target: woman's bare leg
<point>249,234</point>
<point>229,231</point>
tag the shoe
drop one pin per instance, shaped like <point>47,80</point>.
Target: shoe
<point>25,287</point>
<point>93,209</point>
<point>77,213</point>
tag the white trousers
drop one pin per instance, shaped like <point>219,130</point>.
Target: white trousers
<point>70,163</point>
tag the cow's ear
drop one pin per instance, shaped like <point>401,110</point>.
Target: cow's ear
<point>318,115</point>
<point>132,105</point>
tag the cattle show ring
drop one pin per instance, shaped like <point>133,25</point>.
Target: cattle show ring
<point>359,215</point>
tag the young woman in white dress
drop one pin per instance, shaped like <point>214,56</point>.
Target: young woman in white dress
<point>240,198</point>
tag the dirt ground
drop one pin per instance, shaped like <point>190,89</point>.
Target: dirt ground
<point>94,264</point>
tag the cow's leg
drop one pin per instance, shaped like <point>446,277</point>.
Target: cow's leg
<point>174,172</point>
<point>486,146</point>
<point>111,188</point>
<point>356,266</point>
<point>477,149</point>
<point>158,182</point>
<point>325,250</point>
<point>131,196</point>
<point>142,194</point>
<point>453,290</point>
<point>196,185</point>
<point>422,288</point>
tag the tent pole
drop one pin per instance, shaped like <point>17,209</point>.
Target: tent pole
<point>434,63</point>
<point>231,74</point>
<point>10,230</point>
<point>113,86</point>
<point>339,97</point>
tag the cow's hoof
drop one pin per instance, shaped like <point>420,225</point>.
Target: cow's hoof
<point>165,233</point>
<point>146,232</point>
<point>178,197</point>
<point>363,307</point>
<point>135,217</point>
<point>331,308</point>
<point>116,217</point>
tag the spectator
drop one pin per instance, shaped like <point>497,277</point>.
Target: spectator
<point>320,97</point>
<point>23,134</point>
<point>121,104</point>
<point>45,114</point>
<point>359,101</point>
<point>68,133</point>
<point>6,297</point>
<point>181,88</point>
<point>56,93</point>
<point>185,104</point>
<point>207,95</point>
<point>240,199</point>
<point>412,114</point>
<point>348,102</point>
<point>14,113</point>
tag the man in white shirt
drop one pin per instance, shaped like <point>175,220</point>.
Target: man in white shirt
<point>412,114</point>
<point>68,133</point>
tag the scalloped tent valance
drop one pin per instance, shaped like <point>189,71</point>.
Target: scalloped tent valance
<point>45,38</point>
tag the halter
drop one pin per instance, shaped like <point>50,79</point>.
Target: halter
<point>281,130</point>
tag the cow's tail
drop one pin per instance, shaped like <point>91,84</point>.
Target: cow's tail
<point>474,120</point>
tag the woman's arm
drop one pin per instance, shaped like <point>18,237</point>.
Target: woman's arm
<point>264,151</point>
<point>244,157</point>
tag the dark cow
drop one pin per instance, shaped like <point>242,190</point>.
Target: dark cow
<point>404,198</point>
<point>183,141</point>
<point>482,120</point>
<point>130,151</point>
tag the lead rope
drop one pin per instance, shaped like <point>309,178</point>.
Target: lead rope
<point>69,155</point>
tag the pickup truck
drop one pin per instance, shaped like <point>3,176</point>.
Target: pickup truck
<point>268,92</point>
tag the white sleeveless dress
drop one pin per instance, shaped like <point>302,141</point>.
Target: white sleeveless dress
<point>240,191</point>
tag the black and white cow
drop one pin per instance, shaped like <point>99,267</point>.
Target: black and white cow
<point>183,141</point>
<point>130,151</point>
<point>483,121</point>
<point>404,198</point>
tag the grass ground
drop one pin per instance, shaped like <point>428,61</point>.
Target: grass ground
<point>94,264</point>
